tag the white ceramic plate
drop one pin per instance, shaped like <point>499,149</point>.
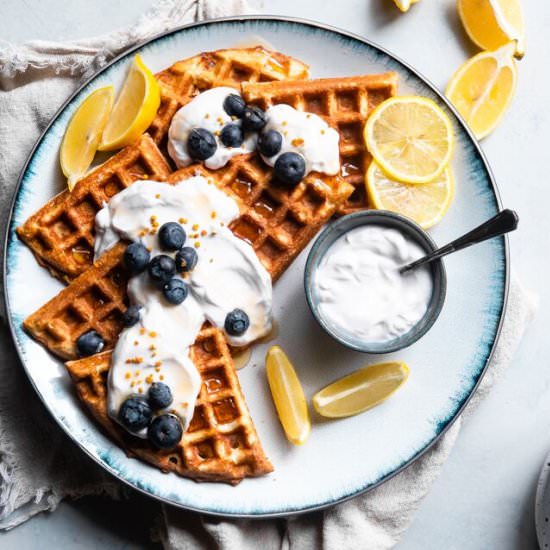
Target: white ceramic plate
<point>342,458</point>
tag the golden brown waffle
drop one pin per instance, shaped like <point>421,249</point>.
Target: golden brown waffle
<point>221,443</point>
<point>61,233</point>
<point>345,103</point>
<point>185,79</point>
<point>277,221</point>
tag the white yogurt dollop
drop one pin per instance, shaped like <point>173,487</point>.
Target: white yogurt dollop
<point>306,134</point>
<point>228,275</point>
<point>361,290</point>
<point>206,111</point>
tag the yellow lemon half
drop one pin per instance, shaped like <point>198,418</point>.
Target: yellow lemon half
<point>410,137</point>
<point>492,23</point>
<point>426,204</point>
<point>361,390</point>
<point>134,110</point>
<point>483,87</point>
<point>288,396</point>
<point>83,134</point>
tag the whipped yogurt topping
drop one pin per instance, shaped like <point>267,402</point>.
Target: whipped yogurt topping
<point>361,290</point>
<point>206,111</point>
<point>306,134</point>
<point>228,275</point>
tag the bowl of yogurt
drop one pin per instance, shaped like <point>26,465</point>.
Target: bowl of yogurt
<point>355,290</point>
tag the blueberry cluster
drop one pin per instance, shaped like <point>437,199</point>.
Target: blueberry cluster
<point>162,268</point>
<point>137,413</point>
<point>289,168</point>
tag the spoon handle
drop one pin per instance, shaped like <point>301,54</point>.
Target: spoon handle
<point>502,223</point>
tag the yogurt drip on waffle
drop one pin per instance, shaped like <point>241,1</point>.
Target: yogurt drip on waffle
<point>228,275</point>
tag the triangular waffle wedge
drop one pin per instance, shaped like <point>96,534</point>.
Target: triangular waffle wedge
<point>278,222</point>
<point>345,103</point>
<point>221,443</point>
<point>185,79</point>
<point>60,234</point>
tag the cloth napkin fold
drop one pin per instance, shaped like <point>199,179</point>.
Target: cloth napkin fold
<point>38,467</point>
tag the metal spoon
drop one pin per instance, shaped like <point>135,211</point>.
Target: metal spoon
<point>502,223</point>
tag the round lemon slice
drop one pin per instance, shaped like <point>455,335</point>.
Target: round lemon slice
<point>288,396</point>
<point>404,5</point>
<point>483,87</point>
<point>492,23</point>
<point>134,110</point>
<point>410,137</point>
<point>360,390</point>
<point>83,134</point>
<point>426,204</point>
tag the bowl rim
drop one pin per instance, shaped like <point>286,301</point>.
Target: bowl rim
<point>422,237</point>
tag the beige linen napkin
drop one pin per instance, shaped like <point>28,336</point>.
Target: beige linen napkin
<point>38,467</point>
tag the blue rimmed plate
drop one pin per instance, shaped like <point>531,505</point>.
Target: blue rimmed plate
<point>342,458</point>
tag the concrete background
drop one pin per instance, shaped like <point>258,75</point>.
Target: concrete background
<point>484,496</point>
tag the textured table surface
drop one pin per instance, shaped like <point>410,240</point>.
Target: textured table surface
<point>484,496</point>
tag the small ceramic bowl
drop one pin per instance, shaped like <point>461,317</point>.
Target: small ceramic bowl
<point>410,229</point>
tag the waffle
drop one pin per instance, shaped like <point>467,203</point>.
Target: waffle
<point>221,443</point>
<point>345,104</point>
<point>276,221</point>
<point>185,79</point>
<point>60,234</point>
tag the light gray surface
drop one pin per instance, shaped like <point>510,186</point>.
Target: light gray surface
<point>484,497</point>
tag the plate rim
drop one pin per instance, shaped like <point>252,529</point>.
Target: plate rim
<point>9,231</point>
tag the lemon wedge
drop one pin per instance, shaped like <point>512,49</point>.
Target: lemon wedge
<point>83,134</point>
<point>426,204</point>
<point>410,137</point>
<point>483,87</point>
<point>288,396</point>
<point>134,110</point>
<point>361,390</point>
<point>404,5</point>
<point>492,23</point>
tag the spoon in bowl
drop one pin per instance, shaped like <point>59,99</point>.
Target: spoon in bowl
<point>502,223</point>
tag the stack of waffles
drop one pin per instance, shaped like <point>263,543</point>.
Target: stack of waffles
<point>221,443</point>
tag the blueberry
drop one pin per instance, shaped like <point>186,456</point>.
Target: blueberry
<point>290,168</point>
<point>135,413</point>
<point>254,119</point>
<point>201,144</point>
<point>161,269</point>
<point>171,236</point>
<point>159,396</point>
<point>234,105</point>
<point>175,291</point>
<point>236,322</point>
<point>136,258</point>
<point>232,135</point>
<point>270,143</point>
<point>131,316</point>
<point>165,431</point>
<point>89,343</point>
<point>186,259</point>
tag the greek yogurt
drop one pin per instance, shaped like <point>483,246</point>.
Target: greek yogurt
<point>306,134</point>
<point>206,111</point>
<point>361,292</point>
<point>228,275</point>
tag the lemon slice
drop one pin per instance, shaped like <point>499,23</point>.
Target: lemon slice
<point>288,396</point>
<point>83,134</point>
<point>134,110</point>
<point>360,390</point>
<point>410,137</point>
<point>492,23</point>
<point>483,87</point>
<point>404,5</point>
<point>426,204</point>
